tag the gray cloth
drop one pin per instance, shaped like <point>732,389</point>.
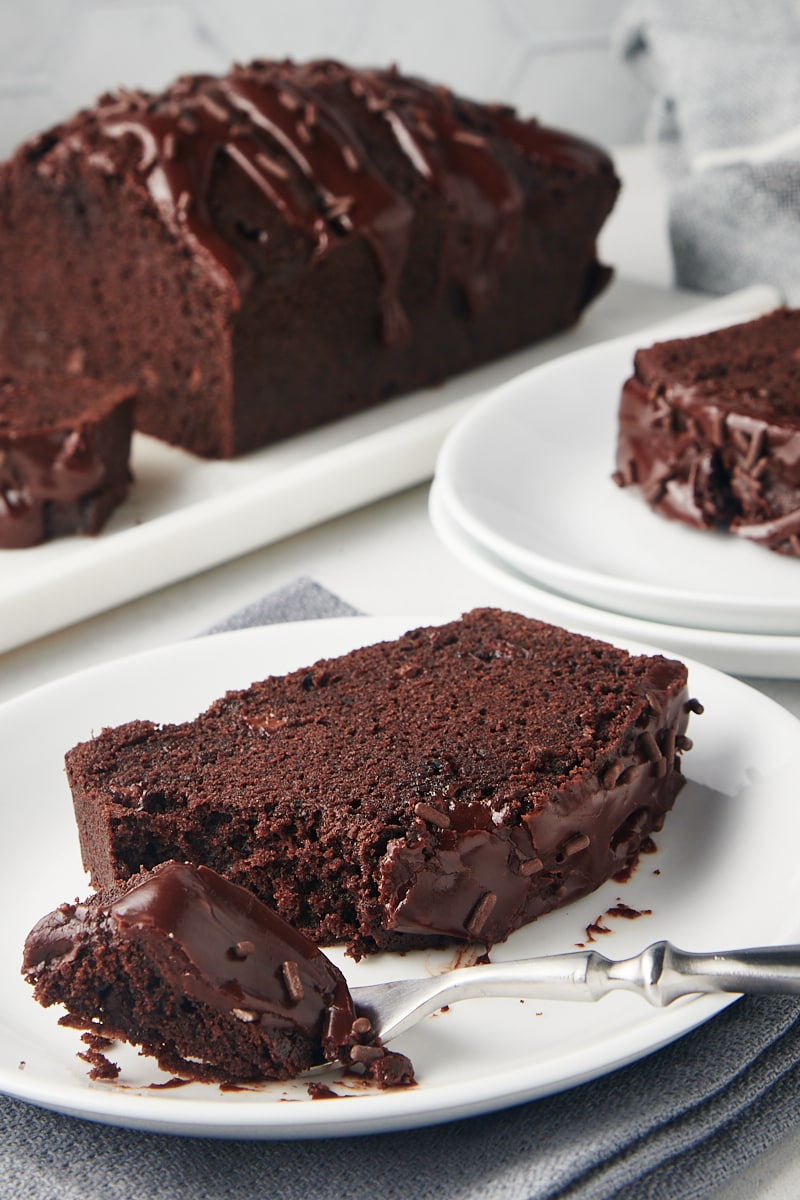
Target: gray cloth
<point>300,600</point>
<point>675,1125</point>
<point>726,114</point>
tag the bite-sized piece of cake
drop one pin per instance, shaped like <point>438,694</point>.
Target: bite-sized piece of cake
<point>64,454</point>
<point>455,783</point>
<point>278,247</point>
<point>197,972</point>
<point>709,430</point>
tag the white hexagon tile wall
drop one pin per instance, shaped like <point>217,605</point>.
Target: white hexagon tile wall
<point>58,55</point>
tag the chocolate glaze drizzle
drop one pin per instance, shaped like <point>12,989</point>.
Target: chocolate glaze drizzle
<point>293,131</point>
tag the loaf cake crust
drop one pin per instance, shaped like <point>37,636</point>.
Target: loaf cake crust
<point>276,248</point>
<point>64,454</point>
<point>456,783</point>
<point>709,430</point>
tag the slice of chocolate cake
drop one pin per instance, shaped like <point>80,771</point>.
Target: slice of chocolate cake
<point>709,430</point>
<point>455,783</point>
<point>64,453</point>
<point>273,249</point>
<point>197,972</point>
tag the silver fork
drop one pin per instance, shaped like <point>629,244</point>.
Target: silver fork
<point>660,974</point>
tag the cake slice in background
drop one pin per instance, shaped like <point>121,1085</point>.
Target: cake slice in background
<point>709,430</point>
<point>64,454</point>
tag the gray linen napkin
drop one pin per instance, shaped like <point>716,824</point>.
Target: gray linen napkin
<point>673,1126</point>
<point>726,113</point>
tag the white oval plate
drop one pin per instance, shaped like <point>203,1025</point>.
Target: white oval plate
<point>736,819</point>
<point>527,474</point>
<point>771,656</point>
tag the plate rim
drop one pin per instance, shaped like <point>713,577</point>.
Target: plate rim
<point>730,652</point>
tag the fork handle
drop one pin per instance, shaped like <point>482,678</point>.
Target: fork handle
<point>660,974</point>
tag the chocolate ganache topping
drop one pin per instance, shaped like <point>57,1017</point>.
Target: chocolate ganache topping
<point>301,135</point>
<point>463,872</point>
<point>218,944</point>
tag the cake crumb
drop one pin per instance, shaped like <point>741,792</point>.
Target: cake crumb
<point>321,1091</point>
<point>101,1067</point>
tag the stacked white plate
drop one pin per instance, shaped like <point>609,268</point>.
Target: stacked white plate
<point>523,493</point>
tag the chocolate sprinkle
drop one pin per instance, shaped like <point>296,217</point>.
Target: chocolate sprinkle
<point>365,1054</point>
<point>481,914</point>
<point>350,158</point>
<point>612,774</point>
<point>362,1027</point>
<point>718,427</point>
<point>575,844</point>
<point>755,449</point>
<point>213,107</point>
<point>245,1014</point>
<point>431,814</point>
<point>241,950</point>
<point>288,101</point>
<point>649,746</point>
<point>468,139</point>
<point>669,744</point>
<point>271,166</point>
<point>294,984</point>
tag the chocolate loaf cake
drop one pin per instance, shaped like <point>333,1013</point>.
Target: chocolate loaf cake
<point>267,251</point>
<point>197,972</point>
<point>709,430</point>
<point>64,454</point>
<point>455,783</point>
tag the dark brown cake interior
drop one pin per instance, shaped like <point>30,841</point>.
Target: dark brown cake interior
<point>35,402</point>
<point>753,367</point>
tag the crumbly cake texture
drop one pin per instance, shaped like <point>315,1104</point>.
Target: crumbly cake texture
<point>203,977</point>
<point>64,454</point>
<point>709,430</point>
<point>456,783</point>
<point>270,250</point>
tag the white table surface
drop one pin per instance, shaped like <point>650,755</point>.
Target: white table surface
<point>385,559</point>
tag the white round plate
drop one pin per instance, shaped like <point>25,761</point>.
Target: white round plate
<point>736,819</point>
<point>527,474</point>
<point>770,656</point>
